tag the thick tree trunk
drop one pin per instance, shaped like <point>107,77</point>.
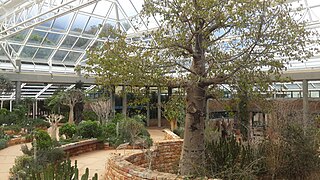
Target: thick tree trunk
<point>71,121</point>
<point>173,124</point>
<point>192,156</point>
<point>54,131</point>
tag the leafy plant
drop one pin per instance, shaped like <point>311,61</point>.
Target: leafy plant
<point>43,140</point>
<point>126,130</point>
<point>174,111</point>
<point>68,129</point>
<point>89,129</point>
<point>3,143</point>
<point>89,115</point>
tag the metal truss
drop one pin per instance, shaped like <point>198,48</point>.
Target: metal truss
<point>19,20</point>
<point>10,52</point>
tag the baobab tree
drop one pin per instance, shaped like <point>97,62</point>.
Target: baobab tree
<point>205,43</point>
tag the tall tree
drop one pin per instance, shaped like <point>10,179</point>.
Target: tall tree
<point>78,108</point>
<point>70,98</point>
<point>204,42</point>
<point>102,108</point>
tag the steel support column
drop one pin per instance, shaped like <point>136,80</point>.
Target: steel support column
<point>305,101</point>
<point>113,101</point>
<point>159,107</point>
<point>148,106</point>
<point>124,101</point>
<point>18,92</point>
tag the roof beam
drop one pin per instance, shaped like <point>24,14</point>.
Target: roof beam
<point>46,78</point>
<point>42,91</point>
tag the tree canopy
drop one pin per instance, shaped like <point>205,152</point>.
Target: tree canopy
<point>200,43</point>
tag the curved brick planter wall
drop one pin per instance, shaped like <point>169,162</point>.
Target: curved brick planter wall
<point>165,158</point>
<point>74,149</point>
<point>18,140</point>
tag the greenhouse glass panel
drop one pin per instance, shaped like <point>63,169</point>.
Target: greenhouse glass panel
<point>36,37</point>
<point>92,26</point>
<point>15,47</point>
<point>102,8</point>
<point>52,39</point>
<point>43,53</point>
<point>107,29</point>
<point>28,52</point>
<point>45,26</point>
<point>59,56</point>
<point>63,22</point>
<point>69,41</point>
<point>314,94</point>
<point>82,43</point>
<point>129,8</point>
<point>72,57</point>
<point>20,36</point>
<point>79,23</point>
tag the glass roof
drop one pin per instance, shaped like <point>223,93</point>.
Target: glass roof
<point>53,35</point>
<point>58,32</point>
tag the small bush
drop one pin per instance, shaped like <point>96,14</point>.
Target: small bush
<point>3,143</point>
<point>68,129</point>
<point>15,128</point>
<point>179,131</point>
<point>89,115</point>
<point>4,111</point>
<point>130,130</point>
<point>39,123</point>
<point>43,140</point>
<point>89,129</point>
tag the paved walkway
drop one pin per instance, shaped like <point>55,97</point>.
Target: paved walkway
<point>7,157</point>
<point>95,160</point>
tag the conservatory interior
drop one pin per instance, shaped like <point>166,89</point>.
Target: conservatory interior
<point>73,103</point>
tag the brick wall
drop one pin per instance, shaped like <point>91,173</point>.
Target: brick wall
<point>19,140</point>
<point>165,158</point>
<point>74,149</point>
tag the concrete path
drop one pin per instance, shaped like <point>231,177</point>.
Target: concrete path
<point>95,160</point>
<point>7,157</point>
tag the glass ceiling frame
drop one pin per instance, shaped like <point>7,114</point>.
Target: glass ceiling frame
<point>19,23</point>
<point>55,34</point>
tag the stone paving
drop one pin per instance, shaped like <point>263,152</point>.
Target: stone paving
<point>95,160</point>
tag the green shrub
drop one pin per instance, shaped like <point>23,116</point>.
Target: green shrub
<point>43,140</point>
<point>130,130</point>
<point>179,131</point>
<point>39,123</point>
<point>3,143</point>
<point>15,128</point>
<point>2,135</point>
<point>68,129</point>
<point>89,129</point>
<point>89,115</point>
<point>4,111</point>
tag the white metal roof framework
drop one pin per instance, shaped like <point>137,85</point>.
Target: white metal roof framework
<point>52,36</point>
